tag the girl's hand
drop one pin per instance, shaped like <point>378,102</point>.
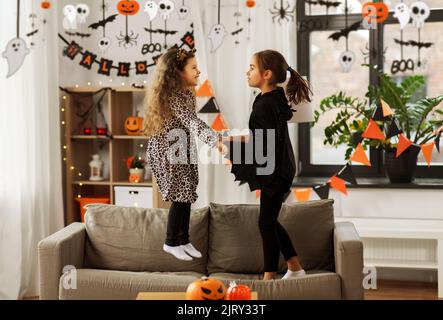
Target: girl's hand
<point>222,148</point>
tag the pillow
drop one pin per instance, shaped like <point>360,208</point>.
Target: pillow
<point>131,239</point>
<point>235,244</point>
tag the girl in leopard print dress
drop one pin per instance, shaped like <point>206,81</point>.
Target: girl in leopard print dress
<point>170,124</point>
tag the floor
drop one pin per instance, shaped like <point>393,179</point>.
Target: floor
<point>400,290</point>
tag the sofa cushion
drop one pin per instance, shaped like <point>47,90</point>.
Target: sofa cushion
<point>131,239</point>
<point>235,243</point>
<point>315,285</point>
<point>122,285</point>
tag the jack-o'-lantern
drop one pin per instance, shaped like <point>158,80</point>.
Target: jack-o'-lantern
<point>133,126</point>
<point>375,10</point>
<point>238,292</point>
<point>206,289</point>
<point>45,5</point>
<point>250,3</point>
<point>134,178</point>
<point>128,7</point>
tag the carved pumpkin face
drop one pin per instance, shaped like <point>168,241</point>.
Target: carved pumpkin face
<point>134,178</point>
<point>206,289</point>
<point>133,125</point>
<point>238,292</point>
<point>128,7</point>
<point>45,5</point>
<point>375,10</point>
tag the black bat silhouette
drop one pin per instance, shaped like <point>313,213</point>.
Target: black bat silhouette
<point>138,87</point>
<point>102,23</point>
<point>329,4</point>
<point>311,2</point>
<point>236,31</point>
<point>172,32</point>
<point>414,43</point>
<point>78,34</point>
<point>345,32</point>
<point>32,33</point>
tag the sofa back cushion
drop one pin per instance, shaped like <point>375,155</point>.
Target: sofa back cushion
<point>235,244</point>
<point>131,239</point>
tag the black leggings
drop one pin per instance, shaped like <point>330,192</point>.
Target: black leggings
<point>177,232</point>
<point>274,236</point>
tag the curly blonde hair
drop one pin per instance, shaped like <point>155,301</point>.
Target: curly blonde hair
<point>166,80</point>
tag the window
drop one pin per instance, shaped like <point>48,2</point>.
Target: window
<point>318,59</point>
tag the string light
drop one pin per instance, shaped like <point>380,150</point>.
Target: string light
<point>63,123</point>
<point>62,109</point>
<point>89,83</point>
<point>141,146</point>
<point>110,80</point>
<point>65,147</point>
<point>144,81</point>
<point>79,174</point>
<point>100,83</point>
<point>64,97</point>
<point>72,168</point>
<point>79,196</point>
<point>76,85</point>
<point>123,83</point>
<point>64,159</point>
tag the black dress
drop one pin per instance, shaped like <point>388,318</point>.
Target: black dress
<point>270,111</point>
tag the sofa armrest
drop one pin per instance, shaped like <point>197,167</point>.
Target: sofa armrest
<point>63,248</point>
<point>348,252</point>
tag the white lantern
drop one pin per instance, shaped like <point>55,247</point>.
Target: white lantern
<point>96,166</point>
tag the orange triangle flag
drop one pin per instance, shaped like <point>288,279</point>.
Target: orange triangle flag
<point>257,193</point>
<point>338,184</point>
<point>403,144</point>
<point>302,194</point>
<point>360,156</point>
<point>427,151</point>
<point>387,111</point>
<point>205,90</point>
<point>219,124</point>
<point>373,131</point>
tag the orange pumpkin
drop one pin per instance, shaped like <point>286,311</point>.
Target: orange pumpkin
<point>250,3</point>
<point>381,11</point>
<point>238,292</point>
<point>133,126</point>
<point>45,4</point>
<point>128,7</point>
<point>134,178</point>
<point>206,289</point>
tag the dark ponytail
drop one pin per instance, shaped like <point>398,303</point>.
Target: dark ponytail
<point>298,89</point>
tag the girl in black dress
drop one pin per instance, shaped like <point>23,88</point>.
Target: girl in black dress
<point>270,138</point>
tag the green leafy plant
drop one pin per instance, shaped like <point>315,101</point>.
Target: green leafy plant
<point>135,162</point>
<point>417,119</point>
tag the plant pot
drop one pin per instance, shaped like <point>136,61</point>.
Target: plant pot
<point>136,175</point>
<point>401,169</point>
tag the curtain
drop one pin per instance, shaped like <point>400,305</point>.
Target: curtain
<point>226,70</point>
<point>31,204</point>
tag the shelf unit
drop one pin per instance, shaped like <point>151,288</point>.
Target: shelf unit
<point>117,105</point>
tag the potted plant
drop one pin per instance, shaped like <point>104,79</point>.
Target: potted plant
<point>136,167</point>
<point>417,119</point>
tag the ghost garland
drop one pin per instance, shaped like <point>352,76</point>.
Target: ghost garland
<point>217,33</point>
<point>347,57</point>
<point>151,8</point>
<point>127,8</point>
<point>166,7</point>
<point>419,12</point>
<point>183,11</point>
<point>283,12</point>
<point>16,49</point>
<point>74,16</point>
<point>104,42</point>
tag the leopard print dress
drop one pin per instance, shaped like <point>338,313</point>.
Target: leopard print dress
<point>176,171</point>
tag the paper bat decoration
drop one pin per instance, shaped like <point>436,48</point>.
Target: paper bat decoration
<point>172,32</point>
<point>414,43</point>
<point>78,34</point>
<point>345,32</point>
<point>329,4</point>
<point>102,23</point>
<point>236,31</point>
<point>32,33</point>
<point>311,2</point>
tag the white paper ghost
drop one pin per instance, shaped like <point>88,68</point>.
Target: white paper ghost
<point>217,35</point>
<point>166,7</point>
<point>347,59</point>
<point>151,8</point>
<point>419,13</point>
<point>70,19</point>
<point>82,12</point>
<point>15,53</point>
<point>183,12</point>
<point>402,14</point>
<point>104,44</point>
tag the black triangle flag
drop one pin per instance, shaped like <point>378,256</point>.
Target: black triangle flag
<point>357,138</point>
<point>322,191</point>
<point>437,143</point>
<point>347,174</point>
<point>378,114</point>
<point>210,107</point>
<point>393,130</point>
<point>414,150</point>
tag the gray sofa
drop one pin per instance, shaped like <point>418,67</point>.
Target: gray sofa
<point>117,253</point>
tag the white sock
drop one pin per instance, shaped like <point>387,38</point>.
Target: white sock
<point>177,252</point>
<point>294,274</point>
<point>190,249</point>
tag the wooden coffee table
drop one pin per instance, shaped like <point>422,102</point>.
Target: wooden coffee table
<point>172,296</point>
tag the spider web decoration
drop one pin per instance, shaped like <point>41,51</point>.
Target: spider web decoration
<point>283,13</point>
